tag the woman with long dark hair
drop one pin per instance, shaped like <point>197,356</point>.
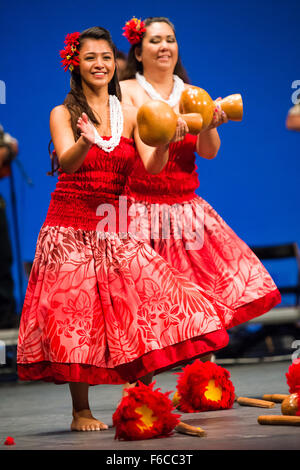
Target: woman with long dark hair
<point>199,243</point>
<point>101,306</point>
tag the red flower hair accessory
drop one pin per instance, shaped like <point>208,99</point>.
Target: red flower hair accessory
<point>134,30</point>
<point>70,53</point>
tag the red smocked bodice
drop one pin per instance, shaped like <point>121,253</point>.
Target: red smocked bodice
<point>100,180</point>
<point>177,182</point>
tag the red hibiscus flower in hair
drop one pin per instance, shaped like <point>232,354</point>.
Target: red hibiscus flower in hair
<point>72,39</point>
<point>70,53</point>
<point>134,30</point>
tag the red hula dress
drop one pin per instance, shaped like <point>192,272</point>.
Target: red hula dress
<point>207,252</point>
<point>104,307</point>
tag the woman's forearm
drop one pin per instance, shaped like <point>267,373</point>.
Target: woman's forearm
<point>72,159</point>
<point>208,143</point>
<point>157,160</point>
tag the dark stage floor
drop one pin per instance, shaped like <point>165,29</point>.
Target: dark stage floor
<point>38,416</point>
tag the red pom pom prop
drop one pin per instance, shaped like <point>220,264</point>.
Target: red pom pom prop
<point>204,386</point>
<point>293,377</point>
<point>144,414</point>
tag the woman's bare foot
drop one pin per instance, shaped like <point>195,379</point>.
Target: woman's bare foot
<point>84,421</point>
<point>126,387</point>
<point>210,357</point>
<point>147,379</point>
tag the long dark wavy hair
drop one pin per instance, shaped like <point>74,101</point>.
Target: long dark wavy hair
<point>133,65</point>
<point>75,100</point>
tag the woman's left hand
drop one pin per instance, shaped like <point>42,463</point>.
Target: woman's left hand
<point>219,116</point>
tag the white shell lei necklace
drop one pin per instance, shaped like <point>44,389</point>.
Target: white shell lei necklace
<point>174,96</point>
<point>116,126</point>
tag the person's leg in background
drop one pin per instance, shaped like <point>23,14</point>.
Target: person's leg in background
<point>8,317</point>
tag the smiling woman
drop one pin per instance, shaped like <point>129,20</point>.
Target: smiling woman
<point>101,306</point>
<point>96,58</point>
<point>159,47</point>
<point>160,40</point>
<point>96,62</point>
<point>222,264</point>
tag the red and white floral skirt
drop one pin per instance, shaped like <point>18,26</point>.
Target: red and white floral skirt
<point>193,238</point>
<point>110,310</point>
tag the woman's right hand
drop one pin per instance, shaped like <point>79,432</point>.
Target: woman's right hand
<point>181,130</point>
<point>86,129</point>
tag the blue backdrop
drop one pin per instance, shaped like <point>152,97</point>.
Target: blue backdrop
<point>226,46</point>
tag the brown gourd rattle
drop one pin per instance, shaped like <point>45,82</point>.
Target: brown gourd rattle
<point>157,120</point>
<point>157,123</point>
<point>291,405</point>
<point>196,100</point>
